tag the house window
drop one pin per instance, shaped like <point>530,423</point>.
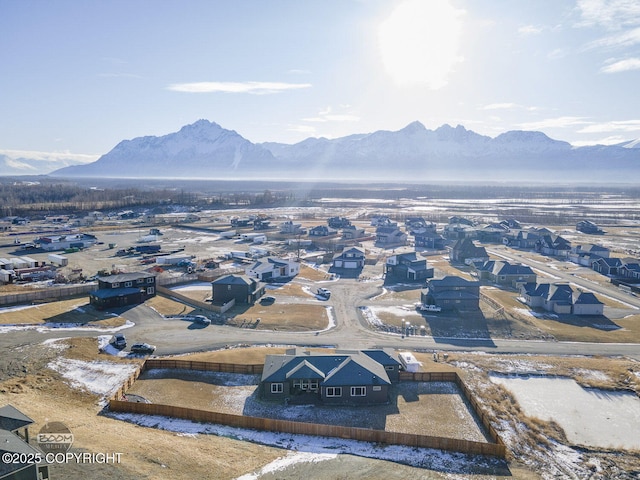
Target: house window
<point>277,388</point>
<point>127,284</point>
<point>389,368</point>
<point>306,385</point>
<point>150,280</point>
<point>150,290</point>
<point>115,285</point>
<point>140,280</point>
<point>377,388</point>
<point>334,391</point>
<point>358,391</point>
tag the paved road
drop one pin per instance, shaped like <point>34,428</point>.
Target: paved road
<point>176,336</point>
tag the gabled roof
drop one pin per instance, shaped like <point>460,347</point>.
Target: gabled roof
<point>125,277</point>
<point>357,370</point>
<point>233,280</point>
<point>453,281</point>
<point>12,419</point>
<point>336,370</point>
<point>304,369</point>
<point>611,262</point>
<point>505,268</point>
<point>560,293</point>
<point>585,298</point>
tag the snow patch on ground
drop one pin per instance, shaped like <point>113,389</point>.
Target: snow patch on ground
<point>48,327</point>
<point>322,447</point>
<point>98,377</point>
<point>283,463</point>
<point>371,313</point>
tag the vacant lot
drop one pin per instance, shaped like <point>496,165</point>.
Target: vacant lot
<point>75,310</point>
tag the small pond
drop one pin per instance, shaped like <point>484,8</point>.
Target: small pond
<point>589,416</point>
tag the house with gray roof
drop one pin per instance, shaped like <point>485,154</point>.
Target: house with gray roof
<point>344,378</point>
<point>607,266</point>
<point>467,252</point>
<point>239,288</point>
<point>123,289</point>
<point>407,267</point>
<point>272,268</point>
<point>561,299</point>
<point>390,237</point>
<point>505,273</point>
<point>452,293</point>
<point>351,258</point>
<point>14,441</point>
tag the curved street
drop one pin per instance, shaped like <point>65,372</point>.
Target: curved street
<point>176,336</point>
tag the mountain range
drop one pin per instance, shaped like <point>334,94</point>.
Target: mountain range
<point>206,150</point>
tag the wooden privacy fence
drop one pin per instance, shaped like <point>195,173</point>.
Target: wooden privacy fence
<point>300,428</point>
<point>49,293</point>
<point>154,363</point>
<point>496,449</point>
<point>473,403</point>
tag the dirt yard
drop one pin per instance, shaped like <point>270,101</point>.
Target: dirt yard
<point>436,408</point>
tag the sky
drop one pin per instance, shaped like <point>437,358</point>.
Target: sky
<point>78,77</point>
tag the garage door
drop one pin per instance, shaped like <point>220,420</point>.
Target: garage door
<point>350,264</point>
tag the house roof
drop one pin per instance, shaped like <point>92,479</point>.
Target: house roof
<point>611,262</point>
<point>114,292</point>
<point>125,277</point>
<point>585,298</point>
<point>453,281</point>
<point>505,268</point>
<point>336,370</point>
<point>233,280</point>
<point>12,419</point>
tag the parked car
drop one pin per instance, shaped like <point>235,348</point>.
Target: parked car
<point>267,300</point>
<point>202,320</point>
<point>119,341</point>
<point>430,308</point>
<point>142,348</point>
<point>324,293</point>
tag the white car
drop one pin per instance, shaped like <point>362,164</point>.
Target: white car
<point>325,293</point>
<point>430,308</point>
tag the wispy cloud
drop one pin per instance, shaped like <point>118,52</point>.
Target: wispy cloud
<point>627,38</point>
<point>508,106</point>
<point>558,122</point>
<point>119,75</point>
<point>254,88</point>
<point>615,126</point>
<point>622,66</point>
<point>328,115</point>
<point>611,14</point>
<point>527,30</point>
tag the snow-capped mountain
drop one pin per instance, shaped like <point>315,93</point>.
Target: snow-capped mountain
<point>200,150</point>
<point>414,153</point>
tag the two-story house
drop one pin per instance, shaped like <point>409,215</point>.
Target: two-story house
<point>123,289</point>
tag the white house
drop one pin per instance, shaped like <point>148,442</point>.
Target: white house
<point>272,268</point>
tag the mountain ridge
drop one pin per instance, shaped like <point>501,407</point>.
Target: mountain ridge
<point>204,149</point>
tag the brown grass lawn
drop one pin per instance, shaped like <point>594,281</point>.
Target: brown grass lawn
<point>168,307</point>
<point>313,274</point>
<point>402,294</point>
<point>288,317</point>
<point>75,310</point>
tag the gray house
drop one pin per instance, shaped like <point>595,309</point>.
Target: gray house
<point>452,293</point>
<point>348,378</point>
<point>351,258</point>
<point>467,252</point>
<point>123,289</point>
<point>242,289</point>
<point>14,441</point>
<point>504,273</point>
<point>407,267</point>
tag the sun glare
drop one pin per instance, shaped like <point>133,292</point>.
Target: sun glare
<point>419,42</point>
